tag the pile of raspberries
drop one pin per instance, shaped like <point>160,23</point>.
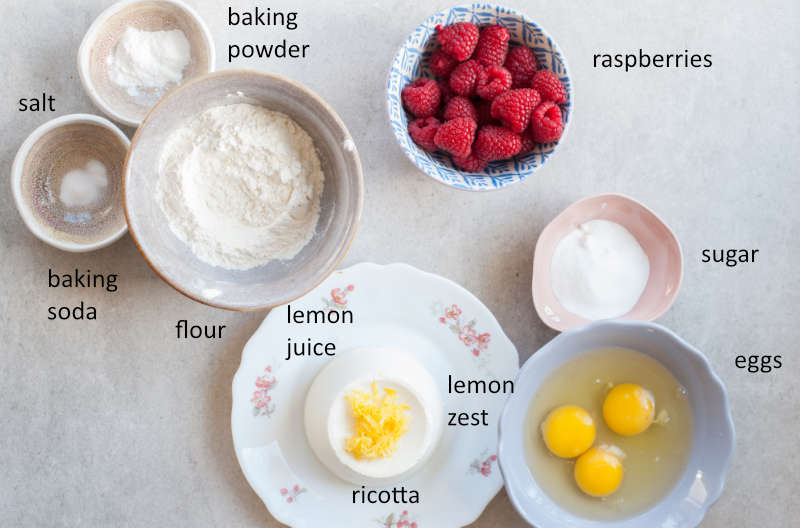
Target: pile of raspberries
<point>490,102</point>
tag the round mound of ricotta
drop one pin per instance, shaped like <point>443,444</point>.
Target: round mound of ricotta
<point>329,421</point>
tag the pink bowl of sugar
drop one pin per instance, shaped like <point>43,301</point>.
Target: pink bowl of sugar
<point>605,257</point>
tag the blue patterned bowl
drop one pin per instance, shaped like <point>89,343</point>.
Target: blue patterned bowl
<point>411,62</point>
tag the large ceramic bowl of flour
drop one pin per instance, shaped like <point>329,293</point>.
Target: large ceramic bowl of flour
<point>243,190</point>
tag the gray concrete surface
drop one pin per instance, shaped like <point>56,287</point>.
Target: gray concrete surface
<point>116,423</point>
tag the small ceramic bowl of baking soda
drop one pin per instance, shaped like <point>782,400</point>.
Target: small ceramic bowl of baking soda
<point>656,239</point>
<point>67,182</point>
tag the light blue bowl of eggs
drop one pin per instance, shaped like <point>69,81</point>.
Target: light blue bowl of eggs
<point>708,448</point>
<point>411,62</point>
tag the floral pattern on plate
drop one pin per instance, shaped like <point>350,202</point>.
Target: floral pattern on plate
<point>475,341</point>
<point>290,495</point>
<point>466,331</point>
<point>483,464</point>
<point>398,521</point>
<point>338,298</point>
<point>262,400</point>
<point>391,306</point>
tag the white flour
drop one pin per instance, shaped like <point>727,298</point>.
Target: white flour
<point>149,59</point>
<point>241,185</point>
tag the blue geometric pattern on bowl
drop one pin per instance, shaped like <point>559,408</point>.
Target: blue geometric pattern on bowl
<point>411,62</point>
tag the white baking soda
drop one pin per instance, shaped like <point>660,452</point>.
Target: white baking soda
<point>83,186</point>
<point>599,270</point>
<point>149,59</point>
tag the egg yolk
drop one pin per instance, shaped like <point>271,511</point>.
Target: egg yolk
<point>599,471</point>
<point>568,431</point>
<point>629,409</point>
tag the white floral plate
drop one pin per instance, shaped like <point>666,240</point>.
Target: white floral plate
<point>445,327</point>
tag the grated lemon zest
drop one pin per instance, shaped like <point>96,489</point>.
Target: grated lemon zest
<point>380,423</point>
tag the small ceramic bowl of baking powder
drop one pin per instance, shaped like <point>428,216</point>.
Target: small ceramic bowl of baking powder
<point>656,239</point>
<point>67,182</point>
<point>174,255</point>
<point>138,50</point>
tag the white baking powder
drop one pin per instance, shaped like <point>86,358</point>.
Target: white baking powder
<point>599,270</point>
<point>241,185</point>
<point>149,59</point>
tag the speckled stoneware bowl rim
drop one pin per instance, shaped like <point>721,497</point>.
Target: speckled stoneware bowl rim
<point>359,190</point>
<point>88,40</point>
<point>549,354</point>
<point>398,134</point>
<point>636,203</point>
<point>16,181</point>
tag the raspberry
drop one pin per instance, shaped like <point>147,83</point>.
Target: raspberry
<point>447,93</point>
<point>527,142</point>
<point>442,64</point>
<point>422,97</point>
<point>514,107</point>
<point>456,136</point>
<point>484,109</point>
<point>492,46</point>
<point>549,86</point>
<point>422,132</point>
<point>521,62</point>
<point>460,106</point>
<point>471,163</point>
<point>495,143</point>
<point>458,40</point>
<point>546,124</point>
<point>492,82</point>
<point>465,77</point>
